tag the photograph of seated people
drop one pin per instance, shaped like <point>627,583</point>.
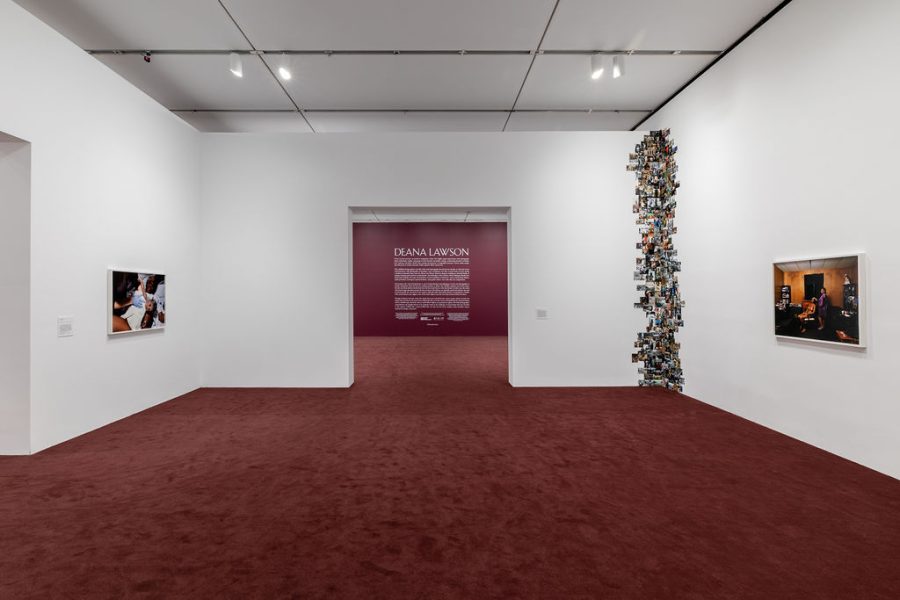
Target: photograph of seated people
<point>817,299</point>
<point>138,301</point>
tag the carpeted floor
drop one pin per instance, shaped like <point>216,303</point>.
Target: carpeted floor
<point>432,478</point>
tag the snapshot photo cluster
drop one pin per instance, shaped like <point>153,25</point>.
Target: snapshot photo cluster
<point>653,163</point>
<point>137,301</point>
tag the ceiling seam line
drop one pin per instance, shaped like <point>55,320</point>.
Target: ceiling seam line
<point>288,94</point>
<point>722,55</point>
<point>530,65</point>
<point>266,65</point>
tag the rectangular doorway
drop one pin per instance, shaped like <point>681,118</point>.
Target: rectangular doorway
<point>15,296</point>
<point>812,284</point>
<point>431,273</point>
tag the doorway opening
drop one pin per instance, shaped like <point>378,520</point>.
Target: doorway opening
<point>430,294</point>
<point>812,284</point>
<point>15,299</point>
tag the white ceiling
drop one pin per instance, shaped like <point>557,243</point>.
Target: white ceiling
<point>573,121</point>
<point>406,82</point>
<point>5,138</point>
<point>194,81</point>
<point>143,24</point>
<point>247,122</point>
<point>343,122</point>
<point>563,82</point>
<point>653,24</point>
<point>392,24</point>
<point>508,80</point>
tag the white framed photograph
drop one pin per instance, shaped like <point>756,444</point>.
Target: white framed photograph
<point>822,300</point>
<point>136,301</point>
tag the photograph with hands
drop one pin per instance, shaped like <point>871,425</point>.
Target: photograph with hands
<point>137,301</point>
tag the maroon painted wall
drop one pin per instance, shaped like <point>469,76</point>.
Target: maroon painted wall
<point>417,279</point>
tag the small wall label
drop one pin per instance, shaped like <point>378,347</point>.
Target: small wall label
<point>65,326</point>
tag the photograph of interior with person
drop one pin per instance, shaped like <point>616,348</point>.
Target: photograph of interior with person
<point>818,299</point>
<point>137,301</point>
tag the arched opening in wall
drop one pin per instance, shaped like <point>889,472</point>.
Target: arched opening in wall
<point>430,301</point>
<point>15,311</point>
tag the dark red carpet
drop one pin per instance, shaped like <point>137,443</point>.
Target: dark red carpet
<point>431,478</point>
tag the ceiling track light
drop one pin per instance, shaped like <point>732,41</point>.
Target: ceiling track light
<point>235,65</point>
<point>598,65</point>
<point>283,70</point>
<point>618,69</point>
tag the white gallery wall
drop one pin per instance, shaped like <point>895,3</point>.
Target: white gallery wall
<point>276,246</point>
<point>114,181</point>
<point>786,149</point>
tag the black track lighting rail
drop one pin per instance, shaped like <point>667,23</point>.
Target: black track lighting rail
<point>415,110</point>
<point>549,52</point>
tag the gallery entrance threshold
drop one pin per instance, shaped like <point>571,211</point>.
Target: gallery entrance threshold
<point>447,362</point>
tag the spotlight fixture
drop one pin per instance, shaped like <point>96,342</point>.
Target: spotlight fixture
<point>235,65</point>
<point>618,66</point>
<point>147,56</point>
<point>598,65</point>
<point>283,71</point>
